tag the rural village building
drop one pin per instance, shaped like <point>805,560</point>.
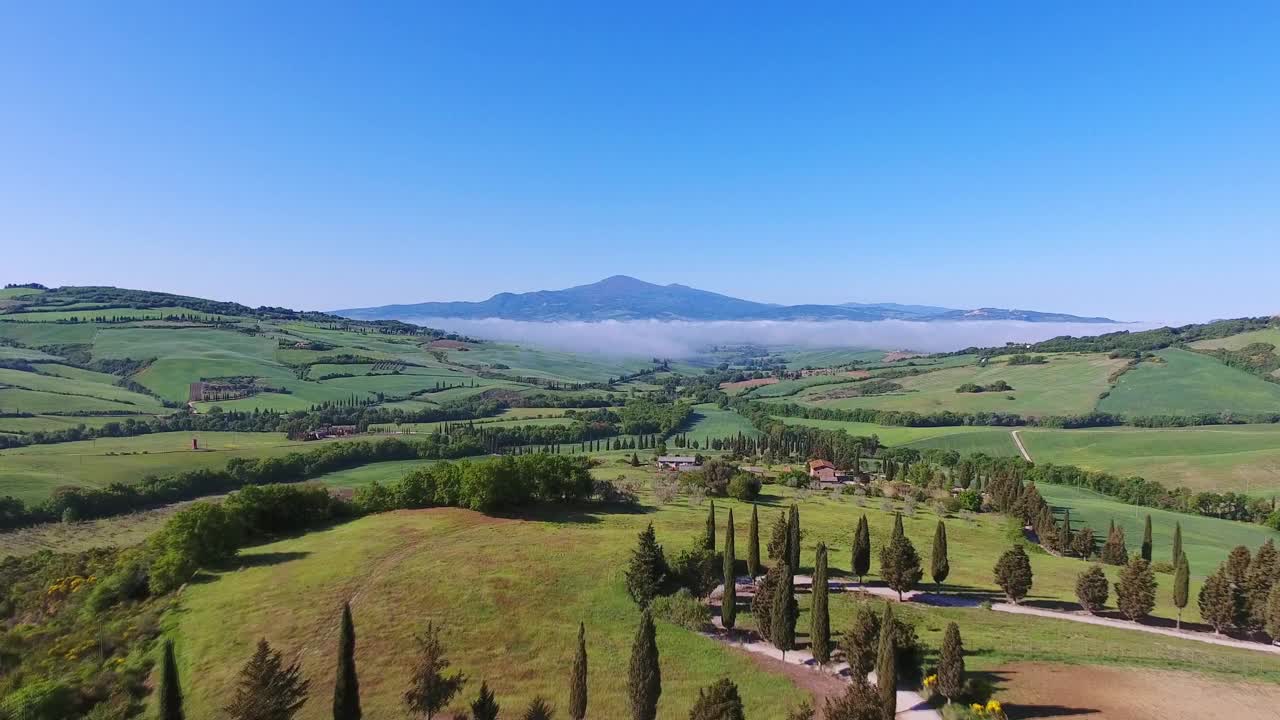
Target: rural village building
<point>678,462</point>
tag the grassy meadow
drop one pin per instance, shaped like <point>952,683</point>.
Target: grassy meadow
<point>709,421</point>
<point>1188,383</point>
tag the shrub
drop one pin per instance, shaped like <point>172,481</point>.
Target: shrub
<point>744,486</point>
<point>1163,567</point>
<point>697,569</point>
<point>970,500</point>
<point>619,492</point>
<point>40,700</point>
<point>682,609</point>
<point>1092,588</point>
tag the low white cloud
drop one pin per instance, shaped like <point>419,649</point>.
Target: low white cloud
<point>679,339</point>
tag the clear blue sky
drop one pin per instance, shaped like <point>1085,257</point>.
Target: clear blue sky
<point>1097,158</point>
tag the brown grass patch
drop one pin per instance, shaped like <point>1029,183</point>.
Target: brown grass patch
<point>745,384</point>
<point>447,345</point>
<point>1034,690</point>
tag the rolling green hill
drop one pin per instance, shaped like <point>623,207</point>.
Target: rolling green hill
<point>1187,383</point>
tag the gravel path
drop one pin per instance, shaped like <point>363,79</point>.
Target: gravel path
<point>936,599</point>
<point>911,706</point>
<point>1017,440</point>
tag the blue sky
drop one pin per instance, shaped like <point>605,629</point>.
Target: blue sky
<point>1086,157</point>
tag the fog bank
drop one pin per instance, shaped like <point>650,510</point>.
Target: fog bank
<point>681,339</point>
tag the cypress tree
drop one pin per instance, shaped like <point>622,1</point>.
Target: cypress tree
<point>1273,613</point>
<point>887,666</point>
<point>578,678</point>
<point>793,539</point>
<point>861,563</point>
<point>1064,535</point>
<point>1258,584</point>
<point>753,544</point>
<point>346,688</point>
<point>783,615</point>
<point>485,706</point>
<point>819,617</point>
<point>729,602</point>
<point>710,537</point>
<point>939,566</point>
<point>897,526</point>
<point>170,690</point>
<point>1146,540</point>
<point>1217,606</point>
<point>1013,573</point>
<point>779,536</point>
<point>1177,543</point>
<point>647,570</point>
<point>951,664</point>
<point>900,565</point>
<point>1181,586</point>
<point>644,683</point>
<point>1083,543</point>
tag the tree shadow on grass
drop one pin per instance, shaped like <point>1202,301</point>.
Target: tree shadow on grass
<point>1026,712</point>
<point>265,559</point>
<point>587,514</point>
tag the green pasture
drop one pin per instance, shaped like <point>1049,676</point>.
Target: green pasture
<point>1068,384</point>
<point>10,293</point>
<point>1236,342</point>
<point>551,364</point>
<point>993,440</point>
<point>49,316</point>
<point>41,334</point>
<point>709,421</point>
<point>47,423</point>
<point>1188,383</point>
<point>9,352</point>
<point>1241,458</point>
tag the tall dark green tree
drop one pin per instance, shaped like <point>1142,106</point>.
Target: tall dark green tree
<point>267,688</point>
<point>578,678</point>
<point>897,526</point>
<point>861,561</point>
<point>887,666</point>
<point>1114,550</point>
<point>819,616</point>
<point>1177,543</point>
<point>644,682</point>
<point>939,565</point>
<point>1181,586</point>
<point>720,701</point>
<point>485,706</point>
<point>1013,573</point>
<point>859,701</point>
<point>539,709</point>
<point>1065,535</point>
<point>346,687</point>
<point>793,539</point>
<point>1092,588</point>
<point>753,544</point>
<point>1273,613</point>
<point>1258,582</point>
<point>647,570</point>
<point>710,536</point>
<point>170,690</point>
<point>951,664</point>
<point>729,603</point>
<point>1217,604</point>
<point>900,565</point>
<point>1146,540</point>
<point>778,538</point>
<point>784,612</point>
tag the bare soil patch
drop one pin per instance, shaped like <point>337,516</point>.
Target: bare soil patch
<point>745,384</point>
<point>447,345</point>
<point>1070,692</point>
<point>899,355</point>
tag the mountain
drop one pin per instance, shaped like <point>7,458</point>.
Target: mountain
<point>626,298</point>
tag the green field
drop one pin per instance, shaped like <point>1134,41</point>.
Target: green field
<point>1236,342</point>
<point>86,315</point>
<point>709,421</point>
<point>964,438</point>
<point>1206,541</point>
<point>31,473</point>
<point>47,423</point>
<point>1068,384</point>
<point>1188,383</point>
<point>548,569</point>
<point>1242,458</point>
<point>551,364</point>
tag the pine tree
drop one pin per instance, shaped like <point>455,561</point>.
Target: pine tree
<point>719,701</point>
<point>647,571</point>
<point>1065,536</point>
<point>819,618</point>
<point>1146,540</point>
<point>859,701</point>
<point>430,690</point>
<point>485,706</point>
<point>538,709</point>
<point>897,526</point>
<point>1217,605</point>
<point>644,683</point>
<point>1257,585</point>
<point>1177,543</point>
<point>346,688</point>
<point>170,690</point>
<point>1092,588</point>
<point>1273,613</point>
<point>861,562</point>
<point>753,544</point>
<point>939,566</point>
<point>887,667</point>
<point>951,664</point>
<point>1114,551</point>
<point>1013,574</point>
<point>267,689</point>
<point>578,678</point>
<point>1136,589</point>
<point>729,603</point>
<point>793,539</point>
<point>1181,586</point>
<point>784,612</point>
<point>1237,571</point>
<point>709,537</point>
<point>900,565</point>
<point>861,642</point>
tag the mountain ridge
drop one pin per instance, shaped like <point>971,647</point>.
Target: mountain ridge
<point>621,297</point>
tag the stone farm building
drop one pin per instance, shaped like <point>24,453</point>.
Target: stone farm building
<point>678,462</point>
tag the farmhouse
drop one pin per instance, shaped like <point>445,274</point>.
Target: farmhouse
<point>818,467</point>
<point>678,462</point>
<point>328,431</point>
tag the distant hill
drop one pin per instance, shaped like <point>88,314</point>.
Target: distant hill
<point>626,298</point>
